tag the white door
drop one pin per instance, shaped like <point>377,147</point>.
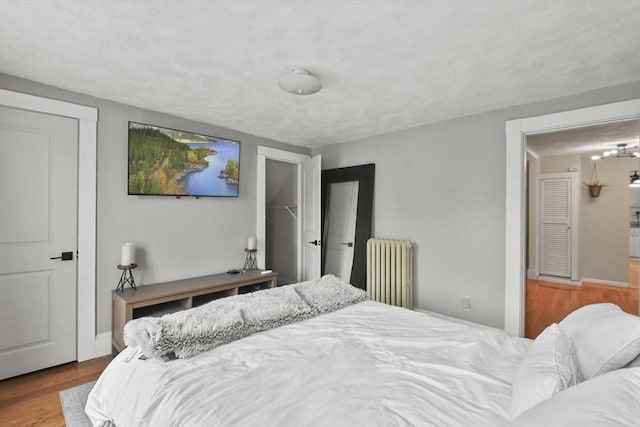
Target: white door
<point>311,253</point>
<point>558,244</point>
<point>38,222</point>
<point>340,223</point>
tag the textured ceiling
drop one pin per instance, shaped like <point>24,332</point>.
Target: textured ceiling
<point>586,140</point>
<point>385,65</point>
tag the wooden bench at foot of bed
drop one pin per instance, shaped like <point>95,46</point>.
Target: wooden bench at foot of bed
<point>169,297</point>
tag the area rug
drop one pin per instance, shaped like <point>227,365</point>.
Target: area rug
<point>73,401</point>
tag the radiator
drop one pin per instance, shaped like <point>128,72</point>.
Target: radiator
<point>390,271</point>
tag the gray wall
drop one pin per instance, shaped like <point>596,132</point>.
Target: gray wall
<point>175,238</point>
<point>604,221</point>
<point>558,164</point>
<point>443,187</point>
<point>440,185</point>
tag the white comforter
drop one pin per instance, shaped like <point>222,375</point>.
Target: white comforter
<point>365,365</point>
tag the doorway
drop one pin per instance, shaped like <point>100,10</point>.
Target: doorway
<point>281,216</point>
<point>517,131</point>
<point>87,346</point>
<point>307,214</point>
<point>602,232</point>
<point>558,216</point>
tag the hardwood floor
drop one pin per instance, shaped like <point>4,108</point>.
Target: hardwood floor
<point>32,399</point>
<point>549,302</point>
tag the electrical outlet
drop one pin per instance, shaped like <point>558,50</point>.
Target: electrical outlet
<point>466,302</point>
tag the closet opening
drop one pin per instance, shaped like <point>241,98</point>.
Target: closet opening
<point>281,239</point>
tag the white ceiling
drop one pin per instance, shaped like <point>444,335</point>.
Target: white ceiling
<point>385,65</point>
<point>586,140</point>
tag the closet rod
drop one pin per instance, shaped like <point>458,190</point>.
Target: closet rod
<point>287,208</point>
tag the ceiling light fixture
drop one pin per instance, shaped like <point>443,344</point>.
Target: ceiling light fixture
<point>300,82</point>
<point>621,150</point>
<point>634,180</point>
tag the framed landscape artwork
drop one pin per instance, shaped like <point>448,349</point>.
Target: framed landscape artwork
<point>170,162</point>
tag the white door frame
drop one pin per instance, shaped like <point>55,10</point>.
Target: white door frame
<point>515,204</point>
<point>265,153</point>
<point>87,168</point>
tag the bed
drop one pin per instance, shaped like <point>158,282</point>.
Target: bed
<point>361,364</point>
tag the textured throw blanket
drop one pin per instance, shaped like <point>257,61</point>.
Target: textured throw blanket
<point>186,333</point>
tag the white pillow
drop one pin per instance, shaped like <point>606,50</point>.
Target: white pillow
<point>604,337</point>
<point>550,366</point>
<point>609,400</point>
<point>635,363</point>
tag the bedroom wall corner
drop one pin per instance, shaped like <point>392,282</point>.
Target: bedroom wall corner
<point>442,186</point>
<point>175,238</point>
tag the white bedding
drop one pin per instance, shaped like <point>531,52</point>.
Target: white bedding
<point>368,364</point>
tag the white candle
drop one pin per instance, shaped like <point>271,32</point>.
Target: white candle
<point>126,254</point>
<point>251,243</point>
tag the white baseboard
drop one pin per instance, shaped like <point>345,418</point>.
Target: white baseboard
<point>103,344</point>
<point>532,273</point>
<point>559,280</point>
<point>606,282</point>
<point>584,279</point>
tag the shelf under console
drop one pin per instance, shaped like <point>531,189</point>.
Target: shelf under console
<point>170,297</point>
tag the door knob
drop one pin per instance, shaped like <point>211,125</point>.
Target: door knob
<point>315,242</point>
<point>348,244</point>
<point>64,256</point>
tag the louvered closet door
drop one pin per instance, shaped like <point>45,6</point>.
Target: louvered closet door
<point>555,227</point>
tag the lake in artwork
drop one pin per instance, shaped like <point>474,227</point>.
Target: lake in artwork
<point>171,162</point>
<point>212,181</point>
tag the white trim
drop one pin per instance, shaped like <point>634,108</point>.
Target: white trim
<point>516,131</point>
<point>299,195</point>
<point>261,208</point>
<point>25,101</point>
<point>605,282</point>
<point>561,280</point>
<point>281,155</point>
<point>103,344</point>
<point>589,116</point>
<point>514,225</point>
<point>87,168</point>
<point>265,153</point>
<point>87,229</point>
<point>580,282</point>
